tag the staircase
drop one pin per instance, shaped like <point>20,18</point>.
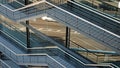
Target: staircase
<point>87,27</point>
<point>9,10</point>
<point>76,16</point>
<point>58,12</point>
<point>35,57</point>
<point>27,59</point>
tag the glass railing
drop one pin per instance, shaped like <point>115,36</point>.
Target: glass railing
<point>13,33</point>
<point>97,56</point>
<point>16,33</point>
<point>61,53</point>
<point>3,64</point>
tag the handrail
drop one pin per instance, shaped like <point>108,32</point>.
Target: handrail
<point>6,7</point>
<point>56,61</point>
<point>72,55</point>
<point>94,11</point>
<point>19,3</point>
<point>16,40</point>
<point>32,55</point>
<point>105,64</point>
<point>30,5</point>
<point>94,51</point>
<point>87,22</point>
<point>99,11</point>
<point>7,48</point>
<point>84,20</point>
<point>5,63</point>
<point>91,50</point>
<point>114,65</point>
<point>27,6</point>
<point>75,16</point>
<point>23,45</point>
<point>62,51</point>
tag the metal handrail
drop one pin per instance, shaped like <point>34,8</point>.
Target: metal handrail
<point>19,2</point>
<point>5,63</point>
<point>91,50</point>
<point>18,41</point>
<point>31,54</point>
<point>98,11</point>
<point>94,11</point>
<point>71,14</point>
<point>22,44</point>
<point>67,54</point>
<point>15,28</point>
<point>83,19</point>
<point>105,64</point>
<point>70,54</point>
<point>27,6</point>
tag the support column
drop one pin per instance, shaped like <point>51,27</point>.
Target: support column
<point>27,29</point>
<point>0,55</point>
<point>67,42</point>
<point>28,34</point>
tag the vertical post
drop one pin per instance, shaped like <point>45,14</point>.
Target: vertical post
<point>67,42</point>
<point>27,29</point>
<point>0,55</point>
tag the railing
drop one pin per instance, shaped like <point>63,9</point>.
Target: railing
<point>101,4</point>
<point>24,12</point>
<point>61,52</point>
<point>84,26</point>
<point>29,58</point>
<point>72,56</point>
<point>96,18</point>
<point>15,33</point>
<point>3,64</point>
<point>22,57</point>
<point>97,56</point>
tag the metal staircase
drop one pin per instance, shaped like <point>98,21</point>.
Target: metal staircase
<point>90,29</point>
<point>35,56</point>
<point>53,57</point>
<point>9,10</point>
<point>76,16</point>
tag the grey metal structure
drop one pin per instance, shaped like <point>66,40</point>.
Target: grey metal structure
<point>65,12</point>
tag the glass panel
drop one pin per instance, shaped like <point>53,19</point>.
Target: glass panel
<point>51,28</point>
